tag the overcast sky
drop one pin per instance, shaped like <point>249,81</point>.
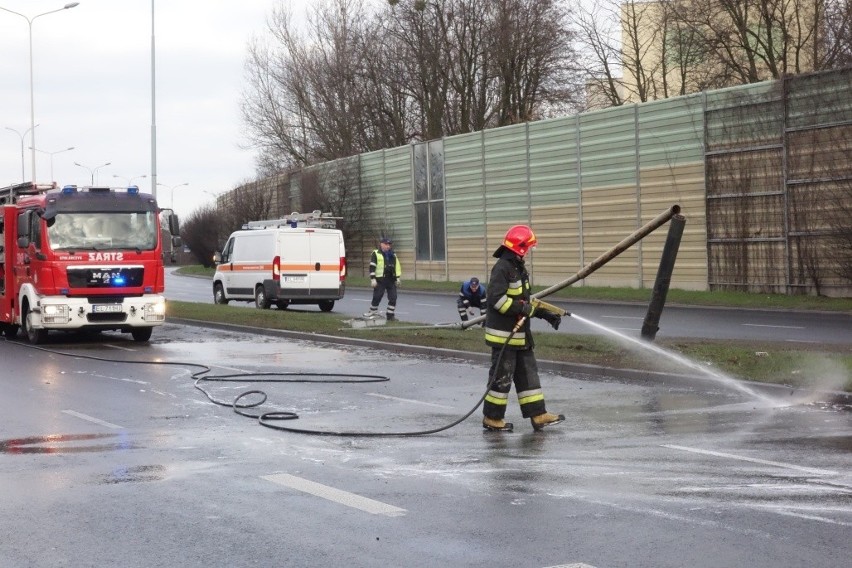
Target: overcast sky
<point>92,91</point>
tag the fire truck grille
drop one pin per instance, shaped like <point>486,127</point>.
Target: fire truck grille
<point>105,277</point>
<point>106,318</point>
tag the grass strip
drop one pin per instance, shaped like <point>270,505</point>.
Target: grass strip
<point>825,367</point>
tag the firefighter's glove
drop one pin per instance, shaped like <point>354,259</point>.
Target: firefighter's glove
<point>527,309</point>
<point>553,319</point>
<point>398,282</point>
<point>466,303</point>
<point>471,311</point>
<point>373,282</point>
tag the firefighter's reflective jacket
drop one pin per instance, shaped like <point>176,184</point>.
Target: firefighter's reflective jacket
<point>508,289</point>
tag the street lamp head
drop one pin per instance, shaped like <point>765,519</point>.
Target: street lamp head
<point>70,5</point>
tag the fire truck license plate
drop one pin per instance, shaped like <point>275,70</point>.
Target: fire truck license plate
<point>100,308</point>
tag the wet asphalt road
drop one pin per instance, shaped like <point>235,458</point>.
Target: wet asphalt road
<point>805,327</point>
<point>107,464</point>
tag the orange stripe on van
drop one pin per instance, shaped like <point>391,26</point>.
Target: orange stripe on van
<point>245,267</point>
<point>328,267</point>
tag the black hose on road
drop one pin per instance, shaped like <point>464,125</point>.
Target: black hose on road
<point>271,419</point>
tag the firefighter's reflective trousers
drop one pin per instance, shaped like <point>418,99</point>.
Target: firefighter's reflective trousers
<point>518,366</point>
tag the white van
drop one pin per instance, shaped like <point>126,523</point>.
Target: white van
<point>280,262</point>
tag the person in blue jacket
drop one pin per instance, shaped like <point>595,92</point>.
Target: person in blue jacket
<point>471,295</point>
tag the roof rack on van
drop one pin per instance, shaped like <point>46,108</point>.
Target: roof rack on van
<point>314,219</point>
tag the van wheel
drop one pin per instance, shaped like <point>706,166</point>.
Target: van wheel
<point>326,305</point>
<point>141,333</point>
<point>34,336</point>
<point>260,299</point>
<point>219,294</point>
<point>283,304</point>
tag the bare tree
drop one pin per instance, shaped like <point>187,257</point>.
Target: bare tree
<point>420,31</point>
<point>598,35</point>
<point>639,51</point>
<point>533,58</point>
<point>834,43</point>
<point>250,201</point>
<point>304,100</point>
<point>755,40</point>
<point>204,232</point>
<point>357,82</point>
<point>624,45</point>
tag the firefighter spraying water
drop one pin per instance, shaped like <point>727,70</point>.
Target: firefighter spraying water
<point>508,333</point>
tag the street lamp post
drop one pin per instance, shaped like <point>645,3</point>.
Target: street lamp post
<point>51,157</point>
<point>130,180</point>
<point>22,136</point>
<point>172,189</point>
<point>32,103</point>
<point>213,195</point>
<point>92,170</point>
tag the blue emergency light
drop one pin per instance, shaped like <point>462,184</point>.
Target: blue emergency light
<point>69,189</point>
<point>133,190</point>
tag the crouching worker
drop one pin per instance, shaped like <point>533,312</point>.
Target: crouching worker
<point>471,295</point>
<point>509,306</point>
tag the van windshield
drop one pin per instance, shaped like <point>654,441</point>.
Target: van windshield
<point>103,231</point>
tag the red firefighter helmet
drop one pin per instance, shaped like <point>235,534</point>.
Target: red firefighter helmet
<point>519,239</point>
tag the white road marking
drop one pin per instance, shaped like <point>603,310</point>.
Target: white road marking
<point>429,305</point>
<point>118,347</point>
<point>408,400</point>
<point>163,393</point>
<point>122,379</point>
<point>777,326</point>
<point>577,565</point>
<point>337,495</point>
<point>93,419</point>
<point>812,518</point>
<point>811,470</point>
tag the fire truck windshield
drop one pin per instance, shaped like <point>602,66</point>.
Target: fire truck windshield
<point>103,231</point>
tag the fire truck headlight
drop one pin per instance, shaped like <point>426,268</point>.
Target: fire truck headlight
<point>154,312</point>
<point>55,313</point>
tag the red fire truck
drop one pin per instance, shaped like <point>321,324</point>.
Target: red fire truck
<point>81,259</point>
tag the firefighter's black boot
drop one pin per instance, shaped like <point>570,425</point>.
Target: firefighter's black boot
<point>546,419</point>
<point>497,425</point>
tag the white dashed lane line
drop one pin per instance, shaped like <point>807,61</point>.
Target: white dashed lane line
<point>811,470</point>
<point>336,495</point>
<point>774,326</point>
<point>92,419</point>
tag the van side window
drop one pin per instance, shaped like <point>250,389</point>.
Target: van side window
<point>229,249</point>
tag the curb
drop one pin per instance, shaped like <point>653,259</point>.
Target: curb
<point>592,372</point>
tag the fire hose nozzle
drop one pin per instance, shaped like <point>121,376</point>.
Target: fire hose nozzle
<point>545,307</point>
